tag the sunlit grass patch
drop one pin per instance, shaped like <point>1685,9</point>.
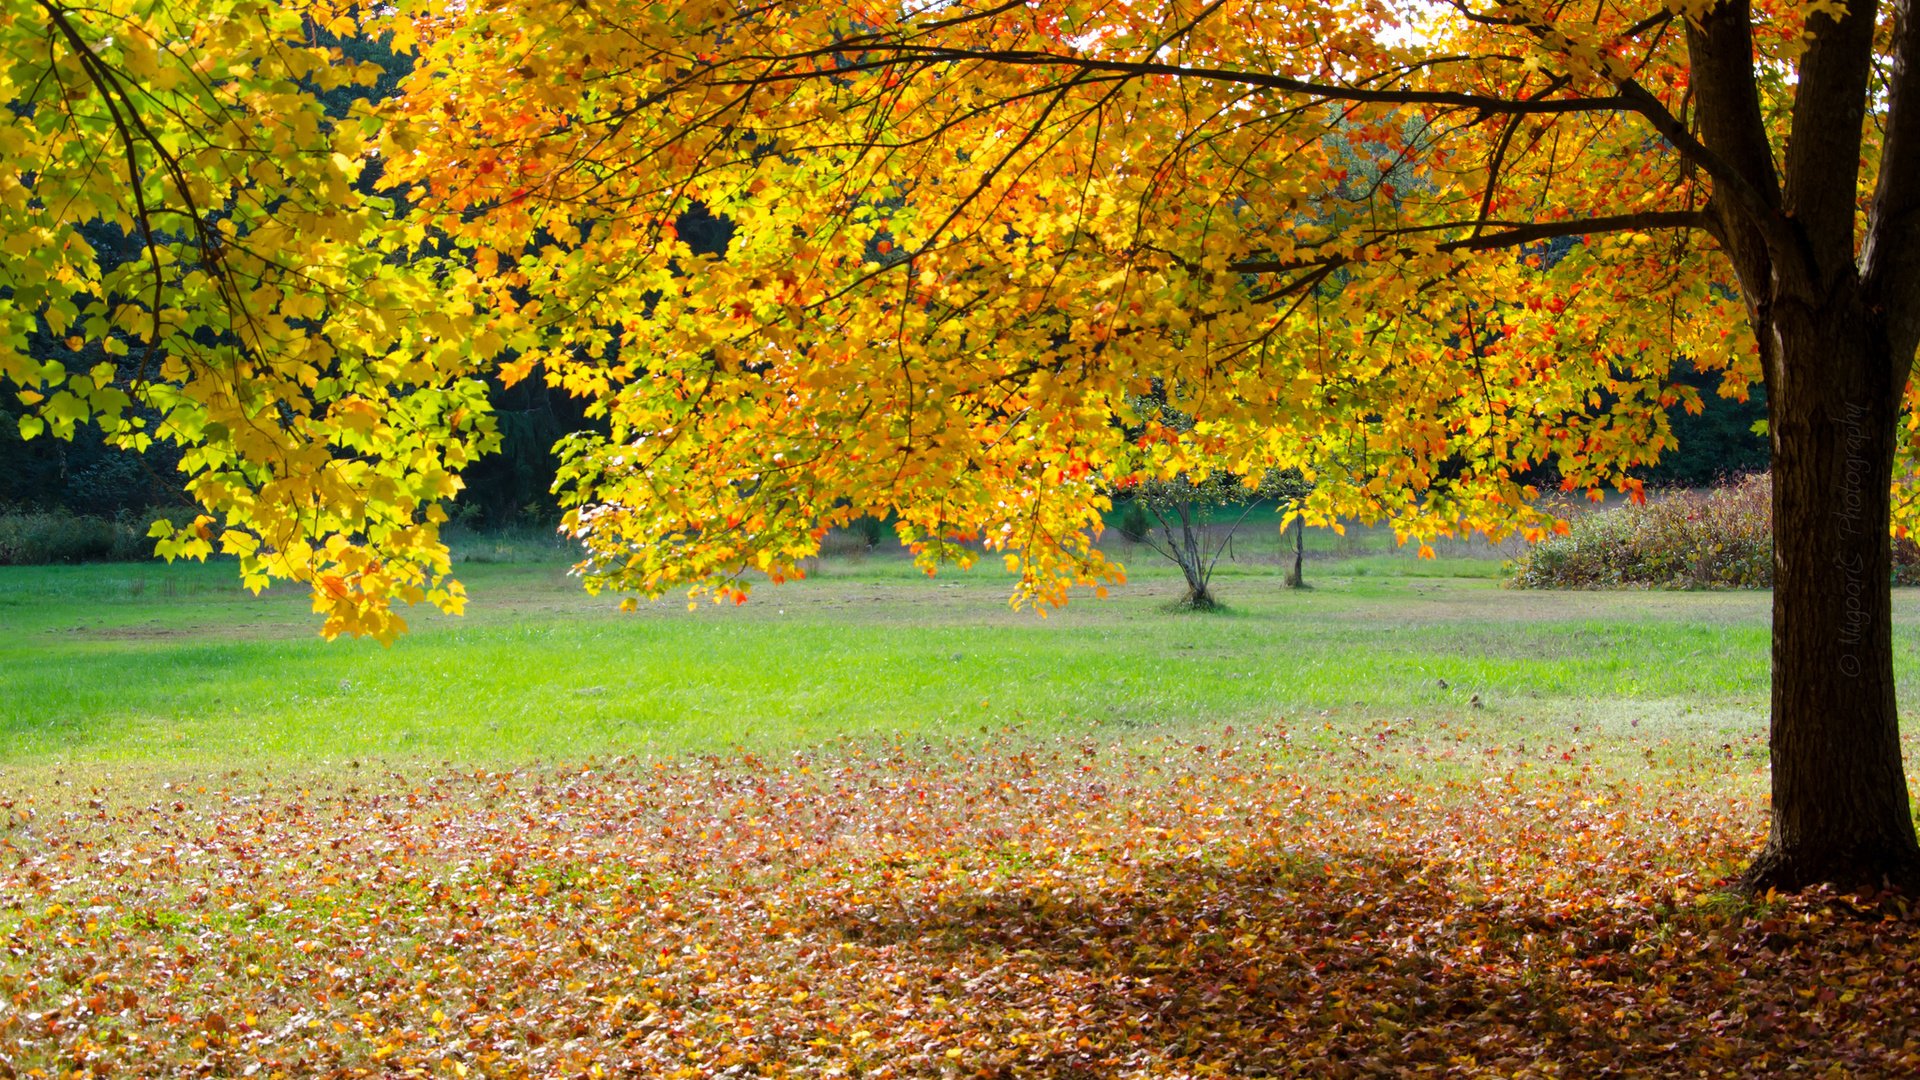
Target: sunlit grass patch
<point>135,663</point>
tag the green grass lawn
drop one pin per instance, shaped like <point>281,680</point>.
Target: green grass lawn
<point>176,663</point>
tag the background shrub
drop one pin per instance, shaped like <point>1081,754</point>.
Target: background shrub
<point>1721,538</point>
<point>869,531</point>
<point>56,536</point>
<point>861,536</point>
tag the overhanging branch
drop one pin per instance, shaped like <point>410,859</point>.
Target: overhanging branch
<point>1517,236</point>
<point>892,54</point>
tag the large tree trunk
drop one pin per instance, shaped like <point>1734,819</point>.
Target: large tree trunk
<point>1840,808</point>
<point>1837,318</point>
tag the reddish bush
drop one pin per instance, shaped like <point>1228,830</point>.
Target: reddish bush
<point>1721,538</point>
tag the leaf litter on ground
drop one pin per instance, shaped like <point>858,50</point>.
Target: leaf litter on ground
<point>1288,900</point>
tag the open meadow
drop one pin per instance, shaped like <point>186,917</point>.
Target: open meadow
<point>874,824</point>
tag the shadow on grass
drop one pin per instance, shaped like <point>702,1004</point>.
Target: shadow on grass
<point>1378,967</point>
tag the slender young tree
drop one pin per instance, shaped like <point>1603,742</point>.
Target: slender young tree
<point>1450,240</point>
<point>1296,574</point>
<point>1198,517</point>
<point>1198,510</point>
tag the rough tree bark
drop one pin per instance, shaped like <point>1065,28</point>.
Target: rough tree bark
<point>1840,808</point>
<point>1836,339</point>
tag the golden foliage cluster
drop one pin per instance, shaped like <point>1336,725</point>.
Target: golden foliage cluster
<point>1412,250</point>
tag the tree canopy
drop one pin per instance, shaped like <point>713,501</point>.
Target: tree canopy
<point>963,238</point>
<point>1453,240</point>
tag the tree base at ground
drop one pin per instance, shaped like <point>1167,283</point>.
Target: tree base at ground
<point>1846,871</point>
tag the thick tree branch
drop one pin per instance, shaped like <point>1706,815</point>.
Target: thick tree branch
<point>1823,151</point>
<point>1890,254</point>
<point>1725,89</point>
<point>892,54</point>
<point>1760,200</point>
<point>1514,237</point>
<point>1741,167</point>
